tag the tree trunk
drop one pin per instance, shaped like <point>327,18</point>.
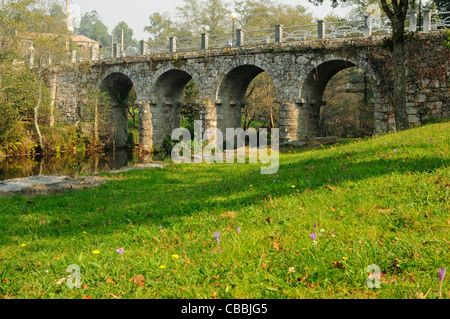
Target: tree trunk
<point>398,38</point>
<point>397,15</point>
<point>36,115</point>
<point>96,121</point>
<point>272,123</point>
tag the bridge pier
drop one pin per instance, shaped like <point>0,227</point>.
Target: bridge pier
<point>289,116</point>
<point>209,111</point>
<point>308,118</point>
<point>145,127</point>
<point>165,117</point>
<point>298,120</point>
<point>229,115</point>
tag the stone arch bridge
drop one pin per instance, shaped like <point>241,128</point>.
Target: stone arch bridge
<point>299,70</point>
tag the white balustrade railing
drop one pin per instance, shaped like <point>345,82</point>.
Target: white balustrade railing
<point>221,40</point>
<point>189,44</point>
<point>259,36</point>
<point>342,29</point>
<point>321,30</point>
<point>157,46</point>
<point>440,20</point>
<point>299,33</point>
<point>381,25</point>
<point>105,53</point>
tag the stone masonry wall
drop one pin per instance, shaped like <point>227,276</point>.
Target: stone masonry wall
<point>299,72</point>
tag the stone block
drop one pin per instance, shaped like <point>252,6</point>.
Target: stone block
<point>413,119</point>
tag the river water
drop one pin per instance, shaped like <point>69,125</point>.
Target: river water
<point>70,164</point>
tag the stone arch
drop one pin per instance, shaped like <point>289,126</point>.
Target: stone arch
<point>313,84</point>
<point>230,94</point>
<point>166,101</point>
<point>117,86</point>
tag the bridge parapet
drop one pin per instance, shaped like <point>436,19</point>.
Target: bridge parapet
<point>367,27</point>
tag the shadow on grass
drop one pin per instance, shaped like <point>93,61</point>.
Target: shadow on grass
<point>153,197</point>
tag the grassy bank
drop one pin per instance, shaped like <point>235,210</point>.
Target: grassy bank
<point>380,201</point>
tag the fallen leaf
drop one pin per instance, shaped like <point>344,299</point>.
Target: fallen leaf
<point>276,246</point>
<point>337,264</point>
<point>86,297</point>
<point>330,188</point>
<point>60,281</point>
<point>228,215</point>
<point>139,279</point>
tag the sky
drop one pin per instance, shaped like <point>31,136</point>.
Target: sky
<point>136,12</point>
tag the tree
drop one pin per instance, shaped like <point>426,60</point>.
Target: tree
<point>128,41</point>
<point>260,14</point>
<point>203,16</point>
<point>92,27</point>
<point>57,13</point>
<point>30,29</point>
<point>161,27</point>
<point>442,5</point>
<point>190,17</point>
<point>396,11</point>
<point>347,112</point>
<point>260,104</point>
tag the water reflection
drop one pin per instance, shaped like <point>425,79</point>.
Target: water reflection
<point>70,164</point>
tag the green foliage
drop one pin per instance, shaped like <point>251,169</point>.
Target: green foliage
<point>18,95</point>
<point>96,116</point>
<point>17,139</point>
<point>127,34</point>
<point>92,27</point>
<point>447,42</point>
<point>190,110</point>
<point>442,5</point>
<point>348,112</point>
<point>259,14</point>
<point>260,107</point>
<point>161,27</point>
<point>198,16</point>
<point>66,139</point>
<point>166,147</point>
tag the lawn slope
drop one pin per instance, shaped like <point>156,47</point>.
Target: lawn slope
<point>382,201</point>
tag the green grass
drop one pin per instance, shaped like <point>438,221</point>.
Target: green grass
<point>383,207</point>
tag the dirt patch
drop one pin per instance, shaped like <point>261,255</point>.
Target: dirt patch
<point>50,184</point>
<point>42,184</point>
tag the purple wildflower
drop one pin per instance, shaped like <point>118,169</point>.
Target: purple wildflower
<point>160,227</point>
<point>395,150</point>
<point>441,274</point>
<point>238,230</point>
<point>431,140</point>
<point>120,251</point>
<point>313,236</point>
<point>217,237</point>
<point>441,279</point>
<point>315,226</point>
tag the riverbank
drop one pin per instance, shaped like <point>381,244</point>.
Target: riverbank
<point>50,184</point>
